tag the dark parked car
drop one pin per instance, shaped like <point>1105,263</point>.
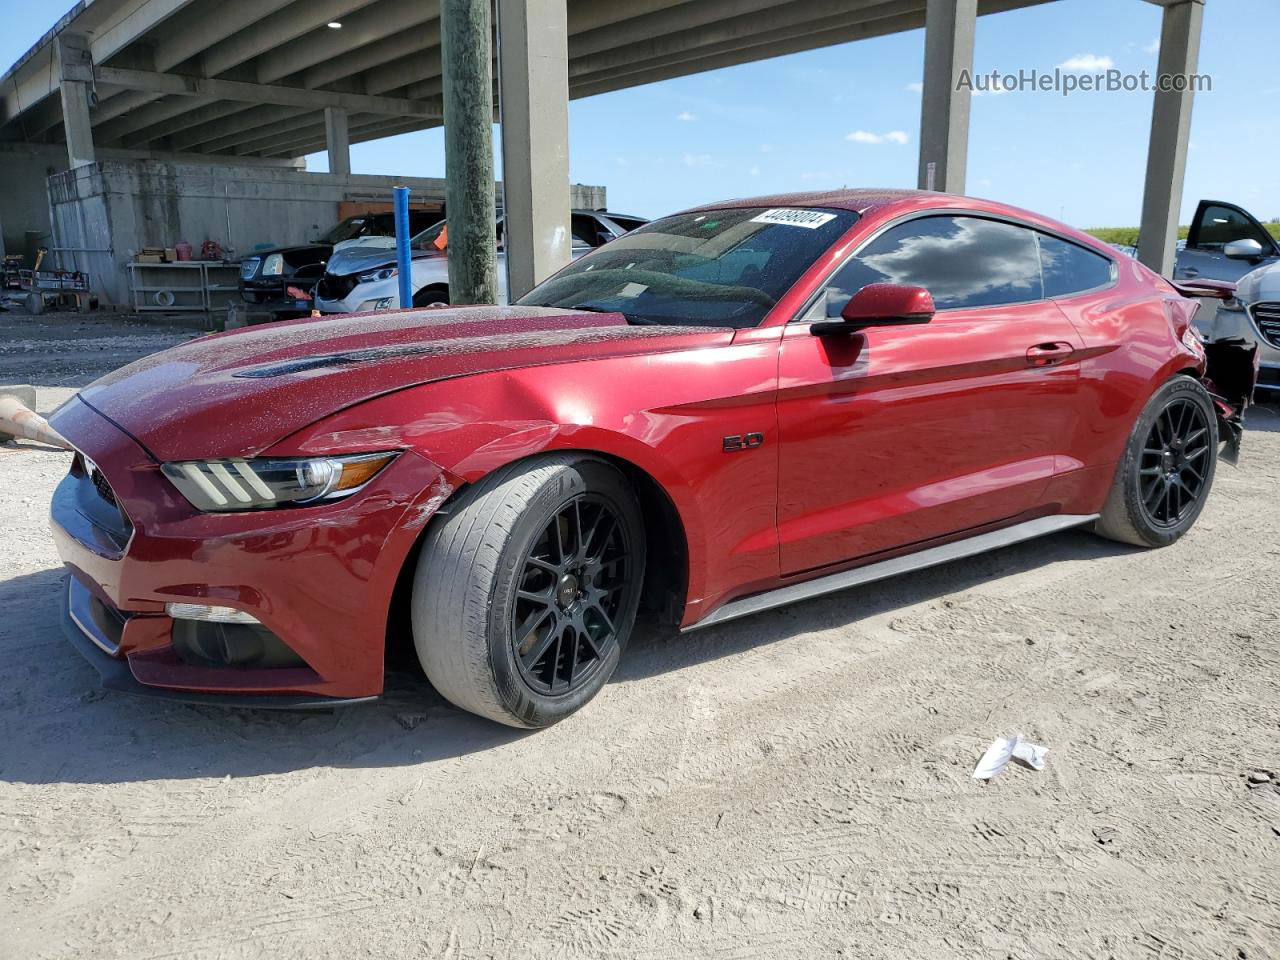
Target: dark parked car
<point>267,277</point>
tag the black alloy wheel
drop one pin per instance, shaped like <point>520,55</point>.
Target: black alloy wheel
<point>573,586</point>
<point>1174,463</point>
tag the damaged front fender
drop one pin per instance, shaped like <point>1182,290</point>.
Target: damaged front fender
<point>1231,373</point>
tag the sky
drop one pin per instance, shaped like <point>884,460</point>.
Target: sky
<point>849,115</point>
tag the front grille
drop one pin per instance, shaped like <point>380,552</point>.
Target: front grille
<point>85,505</point>
<point>1267,317</point>
<point>249,267</point>
<point>101,485</point>
<point>333,287</point>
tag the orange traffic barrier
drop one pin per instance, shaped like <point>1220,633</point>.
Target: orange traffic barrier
<point>21,421</point>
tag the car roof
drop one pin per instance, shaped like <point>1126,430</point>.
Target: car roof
<point>890,202</point>
<point>861,201</point>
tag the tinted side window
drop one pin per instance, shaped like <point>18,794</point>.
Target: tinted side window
<point>961,261</point>
<point>1221,225</point>
<point>1069,268</point>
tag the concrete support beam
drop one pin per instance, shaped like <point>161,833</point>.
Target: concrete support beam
<point>75,64</point>
<point>1170,135</point>
<point>360,29</point>
<point>944,110</point>
<point>533,53</point>
<point>164,123</point>
<point>177,84</point>
<point>466,32</point>
<point>229,131</point>
<point>715,57</point>
<point>337,140</point>
<point>279,30</point>
<point>305,142</point>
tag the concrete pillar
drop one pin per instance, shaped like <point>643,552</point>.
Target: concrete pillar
<point>338,140</point>
<point>1170,134</point>
<point>466,61</point>
<point>533,74</point>
<point>76,76</point>
<point>944,109</point>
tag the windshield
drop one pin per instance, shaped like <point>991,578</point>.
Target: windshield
<point>719,268</point>
<point>437,237</point>
<point>346,230</point>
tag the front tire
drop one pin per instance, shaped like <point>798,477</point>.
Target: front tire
<point>1167,470</point>
<point>431,297</point>
<point>526,591</point>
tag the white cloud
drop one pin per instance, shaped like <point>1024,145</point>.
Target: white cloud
<point>1087,62</point>
<point>1153,46</point>
<point>697,159</point>
<point>754,171</point>
<point>686,116</point>
<point>866,136</point>
<point>915,87</point>
<point>767,148</point>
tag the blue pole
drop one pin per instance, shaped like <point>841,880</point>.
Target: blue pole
<point>402,246</point>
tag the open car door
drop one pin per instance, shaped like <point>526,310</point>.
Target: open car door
<point>1215,225</point>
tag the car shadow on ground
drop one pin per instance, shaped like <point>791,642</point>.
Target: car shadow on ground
<point>1263,416</point>
<point>60,726</point>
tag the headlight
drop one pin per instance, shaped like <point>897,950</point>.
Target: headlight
<point>369,276</point>
<point>273,266</point>
<point>215,486</point>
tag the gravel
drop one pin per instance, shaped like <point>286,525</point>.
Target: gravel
<point>791,785</point>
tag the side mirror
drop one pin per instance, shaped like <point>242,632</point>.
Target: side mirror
<point>1243,250</point>
<point>880,305</point>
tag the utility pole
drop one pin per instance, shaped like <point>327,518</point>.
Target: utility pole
<point>467,62</point>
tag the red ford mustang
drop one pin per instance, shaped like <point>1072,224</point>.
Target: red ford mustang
<point>726,410</point>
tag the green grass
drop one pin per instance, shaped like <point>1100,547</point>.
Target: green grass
<point>1129,235</point>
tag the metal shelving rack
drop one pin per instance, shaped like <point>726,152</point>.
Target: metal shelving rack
<point>187,286</point>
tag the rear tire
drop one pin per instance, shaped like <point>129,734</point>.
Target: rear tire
<point>527,589</point>
<point>1165,475</point>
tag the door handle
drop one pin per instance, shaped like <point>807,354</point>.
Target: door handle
<point>1048,354</point>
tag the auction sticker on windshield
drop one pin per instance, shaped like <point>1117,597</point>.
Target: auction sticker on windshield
<point>809,219</point>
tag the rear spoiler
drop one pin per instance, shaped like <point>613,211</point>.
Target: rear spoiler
<point>1214,289</point>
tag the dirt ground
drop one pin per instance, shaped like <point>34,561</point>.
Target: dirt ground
<point>792,785</point>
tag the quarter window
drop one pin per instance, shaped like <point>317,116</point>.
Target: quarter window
<point>962,261</point>
<point>1069,268</point>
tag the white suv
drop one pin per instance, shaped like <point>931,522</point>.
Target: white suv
<point>363,277</point>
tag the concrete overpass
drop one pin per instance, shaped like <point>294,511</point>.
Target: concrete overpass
<point>264,81</point>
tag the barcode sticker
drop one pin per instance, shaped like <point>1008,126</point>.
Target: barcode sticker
<point>809,219</point>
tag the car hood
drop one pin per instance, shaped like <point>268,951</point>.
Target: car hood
<point>235,394</point>
<point>1260,286</point>
<point>365,255</point>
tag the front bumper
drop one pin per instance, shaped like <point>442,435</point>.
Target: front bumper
<point>94,644</point>
<point>363,298</point>
<point>320,579</point>
<point>274,294</point>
